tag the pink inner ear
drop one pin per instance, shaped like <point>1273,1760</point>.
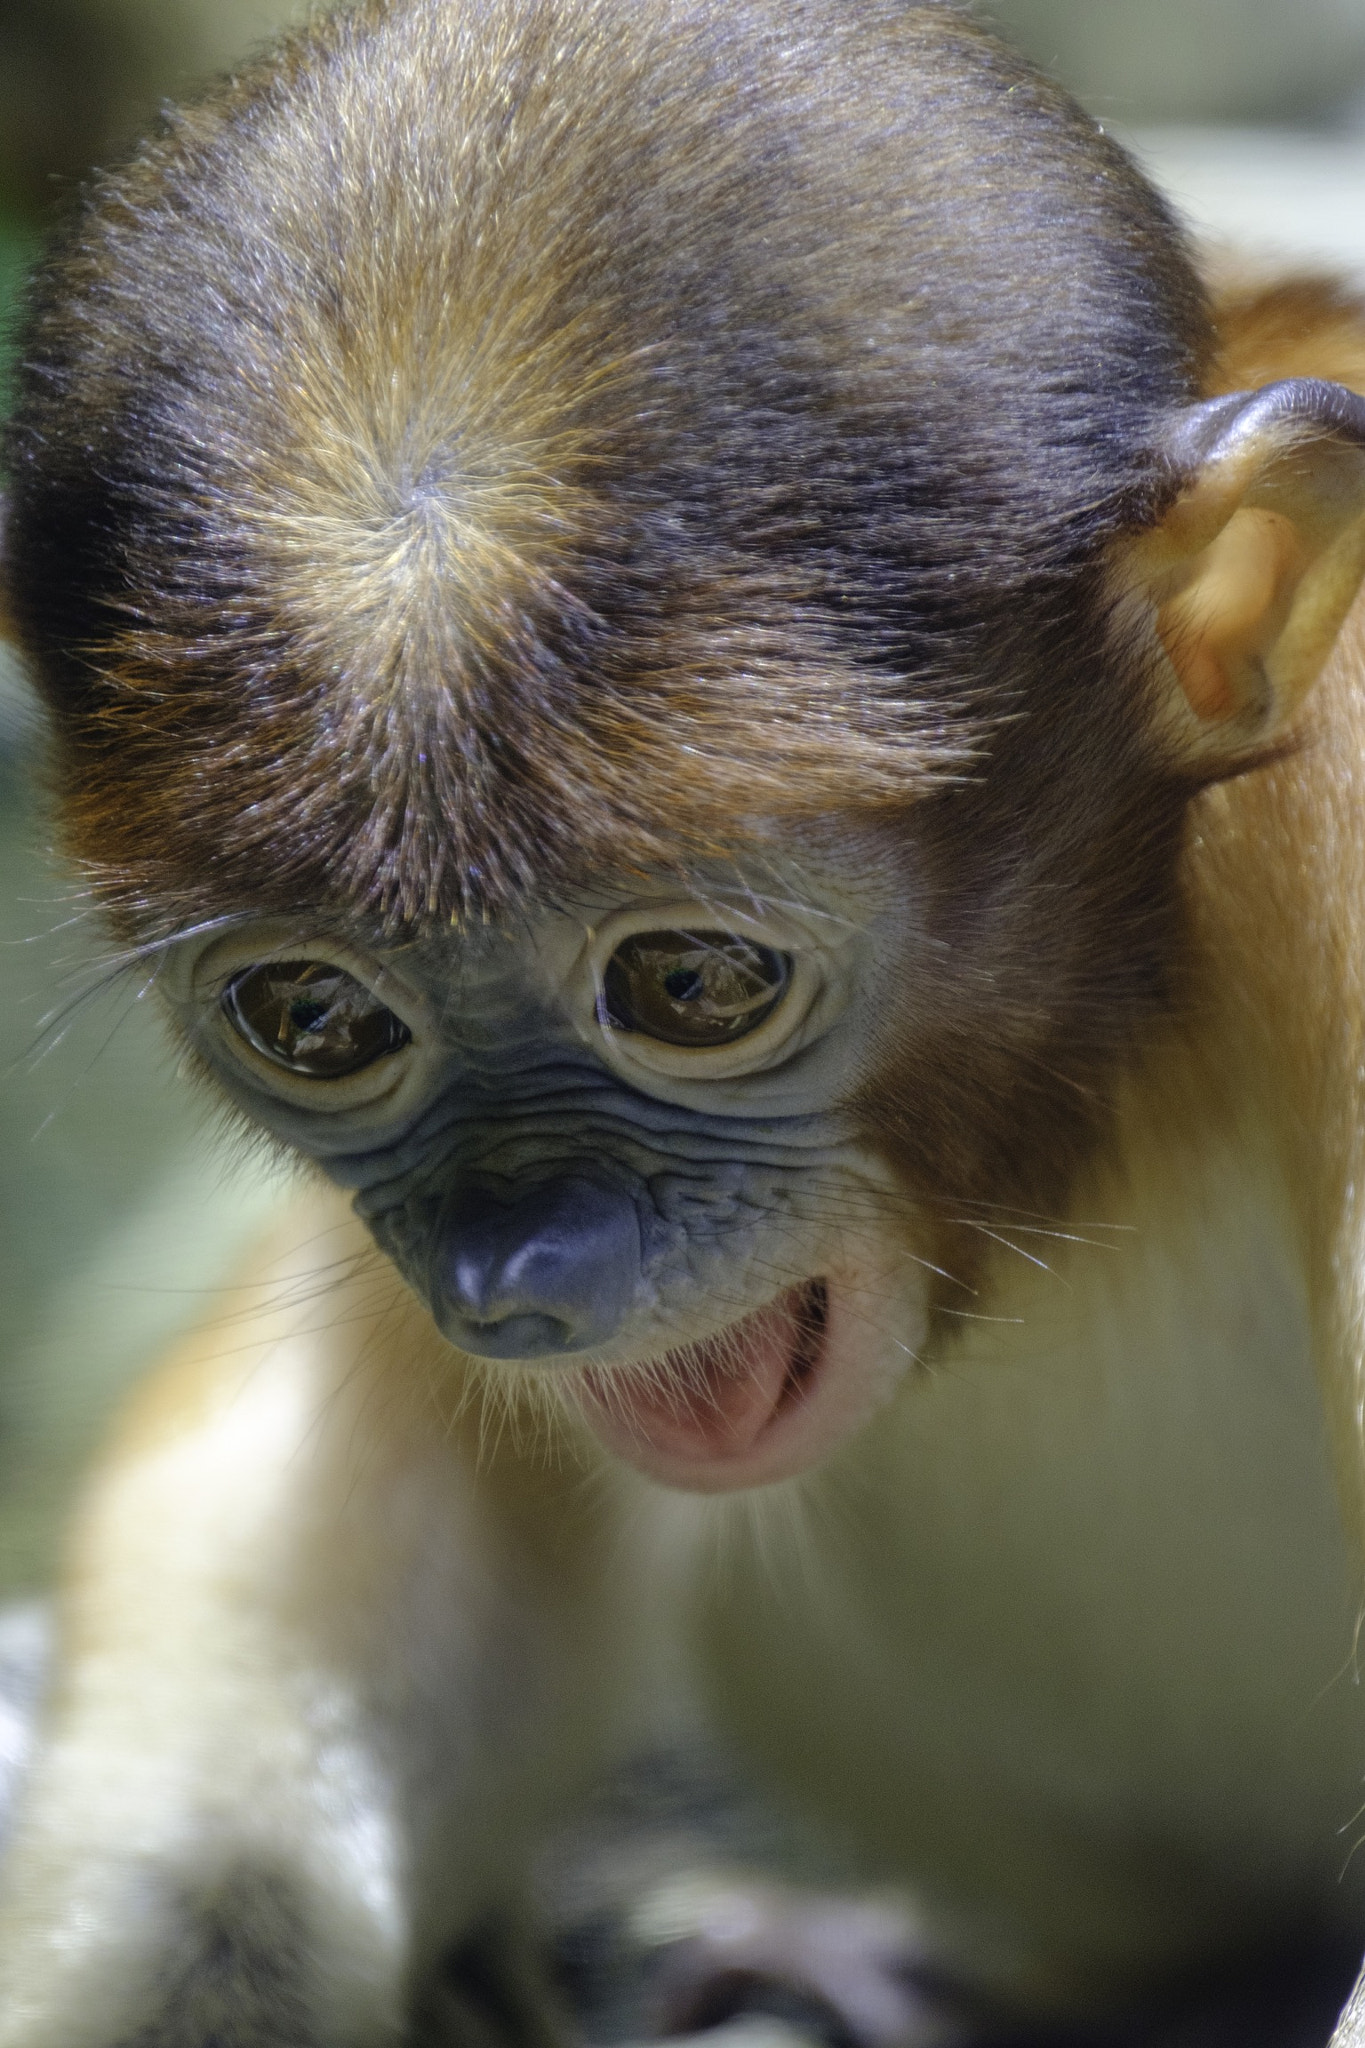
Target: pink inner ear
<point>1228,616</point>
<point>1203,677</point>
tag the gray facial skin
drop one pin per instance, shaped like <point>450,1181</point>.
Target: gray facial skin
<point>552,1186</point>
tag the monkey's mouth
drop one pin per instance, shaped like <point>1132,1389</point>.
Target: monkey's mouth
<point>724,1412</point>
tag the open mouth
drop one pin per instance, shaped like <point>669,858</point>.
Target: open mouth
<point>708,1415</point>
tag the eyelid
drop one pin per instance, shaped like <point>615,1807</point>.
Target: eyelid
<point>768,1045</point>
<point>195,985</point>
<point>260,945</point>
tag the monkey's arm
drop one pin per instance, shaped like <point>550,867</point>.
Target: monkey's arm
<point>313,1686</point>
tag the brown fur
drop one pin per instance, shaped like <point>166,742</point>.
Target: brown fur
<point>533,474</point>
<point>419,519</point>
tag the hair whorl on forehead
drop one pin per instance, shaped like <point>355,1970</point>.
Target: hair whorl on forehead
<point>517,436</point>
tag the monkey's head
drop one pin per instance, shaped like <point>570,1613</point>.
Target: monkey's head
<point>632,594</point>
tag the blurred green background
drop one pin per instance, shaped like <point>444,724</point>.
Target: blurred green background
<point>118,1207</point>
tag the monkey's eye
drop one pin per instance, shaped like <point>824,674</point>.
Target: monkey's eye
<point>311,1018</point>
<point>695,989</point>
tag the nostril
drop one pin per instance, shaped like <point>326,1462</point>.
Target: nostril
<point>553,1271</point>
<point>523,1336</point>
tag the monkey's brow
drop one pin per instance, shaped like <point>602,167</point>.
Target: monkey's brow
<point>165,942</point>
<point>718,896</point>
<point>310,927</point>
<point>759,900</point>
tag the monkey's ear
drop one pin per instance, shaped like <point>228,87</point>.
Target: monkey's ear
<point>1255,566</point>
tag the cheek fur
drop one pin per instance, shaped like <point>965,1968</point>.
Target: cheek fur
<point>1049,941</point>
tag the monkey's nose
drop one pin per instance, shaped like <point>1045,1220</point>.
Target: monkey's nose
<point>554,1270</point>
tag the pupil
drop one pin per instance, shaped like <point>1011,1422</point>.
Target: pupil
<point>305,1015</point>
<point>684,984</point>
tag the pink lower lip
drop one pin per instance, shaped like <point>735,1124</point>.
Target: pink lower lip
<point>709,1406</point>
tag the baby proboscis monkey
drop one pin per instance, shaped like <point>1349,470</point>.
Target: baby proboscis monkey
<point>671,632</point>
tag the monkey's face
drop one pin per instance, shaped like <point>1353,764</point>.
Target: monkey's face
<point>549,443</point>
<point>605,1144</point>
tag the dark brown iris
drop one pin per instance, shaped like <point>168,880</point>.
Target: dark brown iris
<point>312,1018</point>
<point>694,989</point>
